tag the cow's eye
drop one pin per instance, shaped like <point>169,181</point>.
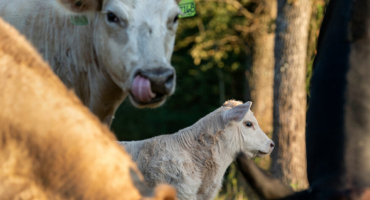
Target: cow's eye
<point>112,17</point>
<point>249,124</point>
<point>176,18</point>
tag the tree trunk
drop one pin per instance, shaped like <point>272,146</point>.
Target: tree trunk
<point>261,80</point>
<point>289,156</point>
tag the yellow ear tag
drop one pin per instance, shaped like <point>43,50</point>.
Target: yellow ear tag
<point>187,8</point>
<point>79,20</point>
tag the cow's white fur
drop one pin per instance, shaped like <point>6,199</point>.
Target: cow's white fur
<point>195,159</point>
<point>99,60</point>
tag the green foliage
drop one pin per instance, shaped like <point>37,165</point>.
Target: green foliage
<point>215,42</point>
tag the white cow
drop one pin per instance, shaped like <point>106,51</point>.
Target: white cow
<point>194,160</point>
<point>124,49</point>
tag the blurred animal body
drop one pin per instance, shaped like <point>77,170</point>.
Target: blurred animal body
<point>51,146</point>
<point>264,184</point>
<point>195,159</point>
<point>118,48</point>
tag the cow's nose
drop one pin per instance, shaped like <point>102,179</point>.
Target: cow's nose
<point>161,79</point>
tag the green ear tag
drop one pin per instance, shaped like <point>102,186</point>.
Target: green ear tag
<point>187,7</point>
<point>79,20</point>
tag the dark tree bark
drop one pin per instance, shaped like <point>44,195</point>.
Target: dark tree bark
<point>289,156</point>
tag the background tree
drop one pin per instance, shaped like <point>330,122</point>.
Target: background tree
<point>260,77</point>
<point>292,28</point>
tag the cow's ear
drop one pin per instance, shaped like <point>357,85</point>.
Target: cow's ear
<point>237,113</point>
<point>178,1</point>
<point>81,6</point>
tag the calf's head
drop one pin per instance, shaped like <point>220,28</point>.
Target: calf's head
<point>134,41</point>
<point>242,130</point>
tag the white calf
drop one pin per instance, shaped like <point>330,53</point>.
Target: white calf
<point>195,159</point>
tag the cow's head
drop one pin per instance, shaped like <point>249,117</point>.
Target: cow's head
<point>242,130</point>
<point>134,41</point>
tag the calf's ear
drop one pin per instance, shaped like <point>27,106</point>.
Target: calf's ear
<point>81,6</point>
<point>237,113</point>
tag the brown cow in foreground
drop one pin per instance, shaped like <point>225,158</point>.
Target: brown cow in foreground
<point>51,146</point>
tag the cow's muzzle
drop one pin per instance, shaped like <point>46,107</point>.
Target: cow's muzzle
<point>162,80</point>
<point>150,87</point>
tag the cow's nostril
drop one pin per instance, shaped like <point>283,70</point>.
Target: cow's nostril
<point>272,145</point>
<point>170,79</point>
<point>169,82</point>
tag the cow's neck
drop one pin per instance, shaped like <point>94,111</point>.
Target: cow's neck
<point>70,51</point>
<point>104,98</point>
<point>96,90</point>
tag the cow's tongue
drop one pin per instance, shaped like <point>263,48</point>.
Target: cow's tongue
<point>141,89</point>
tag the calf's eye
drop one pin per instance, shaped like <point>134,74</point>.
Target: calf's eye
<point>249,124</point>
<point>112,17</point>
